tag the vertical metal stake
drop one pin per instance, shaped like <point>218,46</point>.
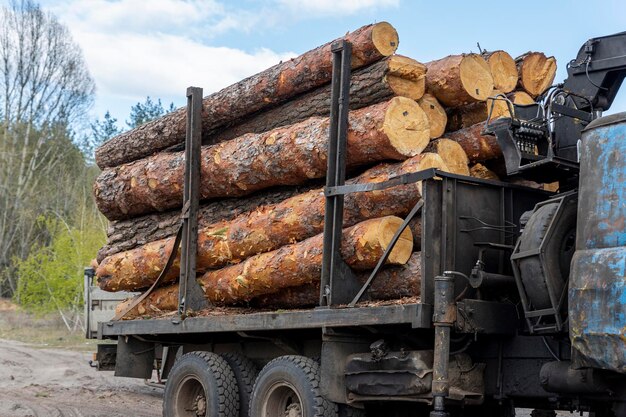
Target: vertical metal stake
<point>336,174</point>
<point>190,295</point>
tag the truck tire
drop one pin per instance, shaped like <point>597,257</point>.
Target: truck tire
<point>290,386</point>
<point>245,374</point>
<point>201,384</point>
<point>347,411</point>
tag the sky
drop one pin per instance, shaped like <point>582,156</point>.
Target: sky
<point>157,48</point>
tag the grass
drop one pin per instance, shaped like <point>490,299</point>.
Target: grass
<point>40,331</point>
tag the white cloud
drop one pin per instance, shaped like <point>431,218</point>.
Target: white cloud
<point>325,7</point>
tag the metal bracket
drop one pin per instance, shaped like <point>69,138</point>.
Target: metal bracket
<point>190,295</point>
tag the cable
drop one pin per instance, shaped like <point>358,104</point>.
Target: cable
<point>545,342</point>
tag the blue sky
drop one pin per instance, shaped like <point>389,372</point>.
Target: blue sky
<point>136,48</point>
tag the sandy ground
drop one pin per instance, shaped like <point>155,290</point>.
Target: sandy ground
<point>53,383</point>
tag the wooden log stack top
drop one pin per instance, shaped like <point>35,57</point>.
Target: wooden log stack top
<point>536,72</point>
<point>285,80</point>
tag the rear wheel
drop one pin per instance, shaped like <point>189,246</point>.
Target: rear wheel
<point>245,374</point>
<point>201,384</point>
<point>289,386</point>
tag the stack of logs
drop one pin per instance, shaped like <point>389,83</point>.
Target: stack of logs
<point>265,157</point>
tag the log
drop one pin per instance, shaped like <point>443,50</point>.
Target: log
<point>503,70</point>
<point>521,98</point>
<point>459,79</point>
<point>291,155</point>
<point>301,263</point>
<point>536,72</point>
<point>482,172</point>
<point>470,114</point>
<point>396,75</point>
<point>267,228</point>
<point>392,282</point>
<point>416,229</point>
<point>123,235</point>
<point>452,154</point>
<point>437,117</point>
<point>276,84</point>
<point>478,147</point>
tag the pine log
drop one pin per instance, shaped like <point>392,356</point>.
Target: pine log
<point>470,114</point>
<point>478,147</point>
<point>459,79</point>
<point>521,98</point>
<point>299,264</point>
<point>482,172</point>
<point>276,84</point>
<point>536,72</point>
<point>452,154</point>
<point>392,282</point>
<point>396,75</point>
<point>267,228</point>
<point>503,70</point>
<point>416,229</point>
<point>437,117</point>
<point>291,155</point>
<point>123,235</point>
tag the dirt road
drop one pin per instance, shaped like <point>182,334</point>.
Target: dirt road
<point>55,383</point>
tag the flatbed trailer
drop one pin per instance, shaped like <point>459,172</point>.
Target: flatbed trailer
<point>469,344</point>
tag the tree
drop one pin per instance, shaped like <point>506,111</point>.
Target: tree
<point>45,90</point>
<point>101,131</point>
<point>141,113</point>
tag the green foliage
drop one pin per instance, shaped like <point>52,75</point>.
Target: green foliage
<point>141,113</point>
<point>51,276</point>
<point>101,131</point>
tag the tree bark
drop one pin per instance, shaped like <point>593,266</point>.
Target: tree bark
<point>482,172</point>
<point>437,117</point>
<point>459,79</point>
<point>123,235</point>
<point>267,228</point>
<point>301,263</point>
<point>396,129</point>
<point>536,72</point>
<point>392,282</point>
<point>503,70</point>
<point>478,147</point>
<point>393,76</point>
<point>276,84</point>
<point>452,154</point>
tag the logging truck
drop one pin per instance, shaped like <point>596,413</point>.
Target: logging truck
<point>518,293</point>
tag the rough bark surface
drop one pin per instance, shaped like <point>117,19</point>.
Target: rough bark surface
<point>299,264</point>
<point>392,282</point>
<point>503,70</point>
<point>437,117</point>
<point>274,85</point>
<point>452,155</point>
<point>478,147</point>
<point>459,79</point>
<point>267,228</point>
<point>536,72</point>
<point>482,172</point>
<point>468,115</point>
<point>123,235</point>
<point>393,76</point>
<point>396,129</point>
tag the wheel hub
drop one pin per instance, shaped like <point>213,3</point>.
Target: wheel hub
<point>293,410</point>
<point>199,405</point>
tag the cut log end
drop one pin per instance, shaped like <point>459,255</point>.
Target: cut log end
<point>406,77</point>
<point>424,161</point>
<point>536,72</point>
<point>437,117</point>
<point>385,38</point>
<point>482,172</point>
<point>521,98</point>
<point>503,71</point>
<point>387,228</point>
<point>406,126</point>
<point>476,77</point>
<point>497,105</point>
<point>452,155</point>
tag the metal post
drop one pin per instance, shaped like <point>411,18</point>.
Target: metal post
<point>190,295</point>
<point>330,291</point>
<point>443,319</point>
